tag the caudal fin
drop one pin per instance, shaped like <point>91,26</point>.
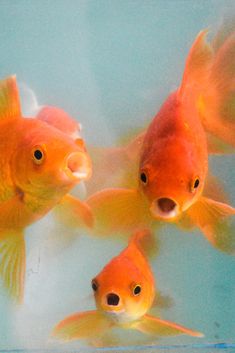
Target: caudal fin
<point>12,263</point>
<point>157,327</point>
<point>85,325</point>
<point>209,87</point>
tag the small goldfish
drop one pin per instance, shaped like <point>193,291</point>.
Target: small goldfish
<point>168,163</point>
<point>40,165</point>
<point>124,292</point>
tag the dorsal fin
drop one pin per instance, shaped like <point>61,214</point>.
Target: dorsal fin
<point>9,99</point>
<point>197,62</point>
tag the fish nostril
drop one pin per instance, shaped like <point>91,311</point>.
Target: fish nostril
<point>166,205</point>
<point>112,299</point>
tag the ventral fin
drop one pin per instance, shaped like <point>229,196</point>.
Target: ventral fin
<point>85,325</point>
<point>9,99</point>
<point>157,327</point>
<point>12,263</point>
<point>212,217</point>
<point>119,211</point>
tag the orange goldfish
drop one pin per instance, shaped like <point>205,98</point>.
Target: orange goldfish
<point>167,165</point>
<point>40,164</point>
<point>124,292</point>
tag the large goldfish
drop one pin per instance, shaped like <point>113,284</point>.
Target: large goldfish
<point>167,165</point>
<point>39,166</point>
<point>124,292</point>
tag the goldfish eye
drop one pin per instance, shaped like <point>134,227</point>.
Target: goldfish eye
<point>196,183</point>
<point>94,285</point>
<point>137,289</point>
<point>143,177</point>
<point>38,155</point>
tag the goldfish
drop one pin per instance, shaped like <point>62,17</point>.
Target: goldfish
<point>40,165</point>
<point>124,292</point>
<point>165,176</point>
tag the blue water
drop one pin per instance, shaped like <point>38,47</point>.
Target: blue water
<point>111,64</point>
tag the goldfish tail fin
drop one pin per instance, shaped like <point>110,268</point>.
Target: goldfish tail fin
<point>212,218</point>
<point>154,326</point>
<point>85,325</point>
<point>74,213</point>
<point>115,167</point>
<point>12,263</point>
<point>216,103</point>
<point>118,211</point>
<point>209,77</point>
<point>146,242</point>
<point>9,99</point>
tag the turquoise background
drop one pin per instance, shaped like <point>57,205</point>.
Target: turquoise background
<point>111,64</point>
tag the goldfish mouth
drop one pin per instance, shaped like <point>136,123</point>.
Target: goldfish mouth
<point>165,208</point>
<point>78,166</point>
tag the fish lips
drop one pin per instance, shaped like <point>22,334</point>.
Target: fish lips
<point>78,166</point>
<point>164,208</point>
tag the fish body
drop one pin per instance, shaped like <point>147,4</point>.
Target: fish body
<point>39,165</point>
<point>174,155</point>
<point>124,292</point>
<point>165,169</point>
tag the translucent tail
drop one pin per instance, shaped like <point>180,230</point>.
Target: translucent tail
<point>208,84</point>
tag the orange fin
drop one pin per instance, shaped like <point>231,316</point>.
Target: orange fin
<point>218,146</point>
<point>196,66</point>
<point>74,213</point>
<point>154,326</point>
<point>216,103</point>
<point>119,210</point>
<point>9,99</point>
<point>12,263</point>
<point>212,218</point>
<point>162,301</point>
<point>85,325</point>
<point>115,167</point>
<point>225,30</point>
<point>214,189</point>
<point>146,242</point>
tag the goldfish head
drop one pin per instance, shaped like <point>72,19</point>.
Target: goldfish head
<point>172,175</point>
<point>122,290</point>
<point>47,160</point>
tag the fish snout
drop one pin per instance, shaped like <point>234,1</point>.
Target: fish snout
<point>78,165</point>
<point>112,299</point>
<point>164,207</point>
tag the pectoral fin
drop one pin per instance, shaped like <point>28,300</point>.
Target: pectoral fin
<point>74,213</point>
<point>12,263</point>
<point>115,167</point>
<point>154,326</point>
<point>218,146</point>
<point>85,325</point>
<point>212,218</point>
<point>119,210</point>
